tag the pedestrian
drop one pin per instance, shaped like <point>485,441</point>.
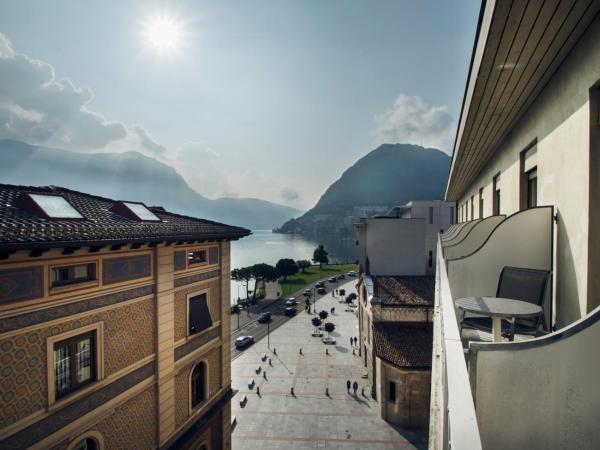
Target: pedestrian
<point>351,342</point>
<point>355,387</point>
<point>300,350</point>
<point>355,340</point>
<point>348,384</point>
<point>258,391</point>
<point>362,392</point>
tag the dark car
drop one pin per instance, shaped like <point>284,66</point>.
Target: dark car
<point>290,311</point>
<point>321,291</point>
<point>332,279</point>
<point>244,341</point>
<point>320,284</point>
<point>341,277</point>
<point>264,317</point>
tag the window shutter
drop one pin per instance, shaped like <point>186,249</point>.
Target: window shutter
<point>213,255</point>
<point>199,314</point>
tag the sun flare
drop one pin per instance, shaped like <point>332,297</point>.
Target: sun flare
<point>163,34</point>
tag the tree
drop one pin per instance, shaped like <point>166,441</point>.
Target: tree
<point>329,327</point>
<point>320,256</point>
<point>243,275</point>
<point>323,315</point>
<point>351,297</point>
<point>316,323</point>
<point>342,292</point>
<point>263,272</point>
<point>303,264</point>
<point>287,266</point>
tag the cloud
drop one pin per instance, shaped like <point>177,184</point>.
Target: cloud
<point>289,194</point>
<point>148,143</point>
<point>200,166</point>
<point>37,108</point>
<point>411,120</point>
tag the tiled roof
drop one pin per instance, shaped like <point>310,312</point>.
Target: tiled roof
<point>404,344</point>
<point>404,290</point>
<point>22,229</point>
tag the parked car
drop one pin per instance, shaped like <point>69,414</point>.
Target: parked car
<point>320,284</point>
<point>291,302</point>
<point>321,291</point>
<point>307,292</point>
<point>332,280</point>
<point>352,273</point>
<point>244,341</point>
<point>328,340</point>
<point>290,311</point>
<point>264,317</point>
<point>341,276</point>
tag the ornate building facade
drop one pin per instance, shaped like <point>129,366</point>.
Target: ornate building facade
<point>114,324</point>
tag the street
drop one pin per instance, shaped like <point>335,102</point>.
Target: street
<point>249,322</point>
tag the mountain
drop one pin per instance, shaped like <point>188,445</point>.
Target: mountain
<point>131,176</point>
<point>390,175</point>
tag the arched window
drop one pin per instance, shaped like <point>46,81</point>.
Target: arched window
<point>198,381</point>
<point>86,444</point>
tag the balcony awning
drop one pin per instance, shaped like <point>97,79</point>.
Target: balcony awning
<point>519,46</point>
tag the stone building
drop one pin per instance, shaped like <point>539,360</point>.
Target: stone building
<point>114,324</point>
<point>395,334</point>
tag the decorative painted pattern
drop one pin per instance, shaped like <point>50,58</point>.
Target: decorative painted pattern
<point>179,260</point>
<point>196,342</point>
<point>116,270</point>
<point>51,424</point>
<point>195,278</point>
<point>59,312</point>
<point>25,283</point>
<point>129,335</point>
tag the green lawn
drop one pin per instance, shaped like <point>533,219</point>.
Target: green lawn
<point>300,280</point>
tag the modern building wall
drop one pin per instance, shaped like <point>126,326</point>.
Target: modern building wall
<point>394,246</point>
<point>138,309</point>
<point>558,123</point>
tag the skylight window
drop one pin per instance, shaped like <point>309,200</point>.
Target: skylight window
<point>55,206</point>
<point>141,212</point>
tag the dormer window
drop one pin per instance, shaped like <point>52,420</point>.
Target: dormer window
<point>135,211</point>
<point>48,206</point>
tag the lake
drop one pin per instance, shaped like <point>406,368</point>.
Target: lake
<point>268,247</point>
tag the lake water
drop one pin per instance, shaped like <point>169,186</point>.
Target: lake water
<point>268,247</point>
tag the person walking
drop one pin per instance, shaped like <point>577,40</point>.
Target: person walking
<point>351,342</point>
<point>355,388</point>
<point>348,386</point>
<point>355,340</point>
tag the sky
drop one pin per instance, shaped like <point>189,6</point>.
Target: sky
<point>249,98</point>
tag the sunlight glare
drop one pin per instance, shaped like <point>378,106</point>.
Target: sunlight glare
<point>163,34</point>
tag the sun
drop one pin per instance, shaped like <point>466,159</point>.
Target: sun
<point>163,34</point>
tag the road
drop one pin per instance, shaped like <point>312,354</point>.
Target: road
<point>249,323</point>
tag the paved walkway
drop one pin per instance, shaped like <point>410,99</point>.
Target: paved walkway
<point>310,419</point>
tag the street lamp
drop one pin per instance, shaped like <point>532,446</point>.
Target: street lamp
<point>268,333</point>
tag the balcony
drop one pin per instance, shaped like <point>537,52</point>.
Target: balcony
<point>533,392</point>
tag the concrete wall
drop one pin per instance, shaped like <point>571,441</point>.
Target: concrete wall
<point>396,246</point>
<point>559,120</point>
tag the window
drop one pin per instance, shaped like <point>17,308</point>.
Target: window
<point>472,207</point>
<point>430,261</point>
<point>496,195</point>
<point>78,273</point>
<point>74,363</point>
<point>481,203</point>
<point>532,188</point>
<point>392,392</point>
<point>197,257</point>
<point>466,208</point>
<point>452,215</point>
<point>198,384</point>
<point>50,206</point>
<point>199,314</point>
<point>430,215</point>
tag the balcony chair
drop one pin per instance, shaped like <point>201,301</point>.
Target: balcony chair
<point>528,285</point>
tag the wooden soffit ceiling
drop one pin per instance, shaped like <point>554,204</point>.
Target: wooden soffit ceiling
<point>519,46</point>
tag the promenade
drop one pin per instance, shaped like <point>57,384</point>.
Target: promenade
<point>310,419</point>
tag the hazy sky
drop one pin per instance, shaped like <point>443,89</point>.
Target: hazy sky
<point>269,99</point>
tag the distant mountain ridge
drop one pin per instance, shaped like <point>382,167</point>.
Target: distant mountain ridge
<point>390,175</point>
<point>131,176</point>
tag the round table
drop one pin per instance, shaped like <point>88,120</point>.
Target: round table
<point>499,308</point>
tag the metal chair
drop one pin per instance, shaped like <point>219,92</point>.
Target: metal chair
<point>528,285</point>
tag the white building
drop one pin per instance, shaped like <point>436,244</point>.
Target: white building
<point>526,176</point>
